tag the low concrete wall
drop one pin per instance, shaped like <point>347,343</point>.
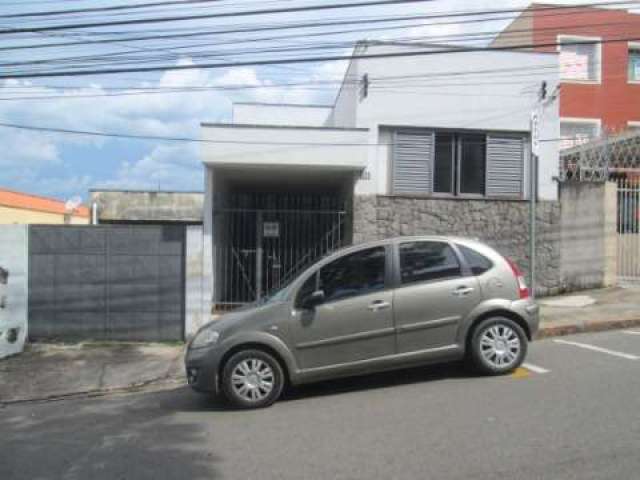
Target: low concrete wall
<point>13,288</point>
<point>589,237</point>
<point>576,244</point>
<point>132,206</point>
<point>502,224</point>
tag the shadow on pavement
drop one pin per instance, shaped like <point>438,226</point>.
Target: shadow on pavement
<point>130,436</point>
<point>378,380</point>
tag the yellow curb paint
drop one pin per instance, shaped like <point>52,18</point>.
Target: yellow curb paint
<point>520,372</point>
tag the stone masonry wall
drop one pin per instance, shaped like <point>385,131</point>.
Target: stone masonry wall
<point>502,224</point>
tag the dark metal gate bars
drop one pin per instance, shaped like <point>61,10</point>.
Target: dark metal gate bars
<point>263,240</point>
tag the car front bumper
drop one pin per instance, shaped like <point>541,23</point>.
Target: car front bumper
<point>201,366</point>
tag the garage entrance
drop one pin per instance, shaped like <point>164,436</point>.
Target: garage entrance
<point>265,235</point>
<point>107,282</point>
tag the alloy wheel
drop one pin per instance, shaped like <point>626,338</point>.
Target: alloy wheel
<point>252,379</point>
<point>500,346</point>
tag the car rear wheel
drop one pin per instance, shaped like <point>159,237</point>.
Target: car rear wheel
<point>252,379</point>
<point>498,346</point>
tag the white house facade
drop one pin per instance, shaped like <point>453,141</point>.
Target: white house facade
<point>416,142</point>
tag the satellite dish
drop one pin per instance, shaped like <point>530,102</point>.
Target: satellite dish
<point>73,203</point>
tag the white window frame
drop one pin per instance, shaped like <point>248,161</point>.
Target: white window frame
<point>589,121</point>
<point>567,38</point>
<point>632,46</point>
<point>633,124</point>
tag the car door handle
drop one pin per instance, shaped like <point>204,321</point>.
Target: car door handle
<point>378,305</point>
<point>461,291</point>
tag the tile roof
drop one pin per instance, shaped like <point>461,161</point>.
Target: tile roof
<point>9,198</point>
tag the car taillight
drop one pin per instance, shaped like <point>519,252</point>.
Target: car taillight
<point>523,291</point>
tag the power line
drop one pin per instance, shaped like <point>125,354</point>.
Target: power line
<point>106,9</point>
<point>218,142</point>
<point>288,61</point>
<point>141,21</point>
<point>315,24</point>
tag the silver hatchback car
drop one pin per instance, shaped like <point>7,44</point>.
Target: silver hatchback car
<point>378,306</point>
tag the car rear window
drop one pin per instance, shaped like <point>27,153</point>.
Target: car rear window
<point>477,262</point>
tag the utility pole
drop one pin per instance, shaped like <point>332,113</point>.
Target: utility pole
<point>533,183</point>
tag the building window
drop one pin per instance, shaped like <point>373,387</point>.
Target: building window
<point>459,164</point>
<point>579,61</point>
<point>444,163</point>
<point>633,127</point>
<point>473,163</point>
<point>456,163</point>
<point>574,132</point>
<point>634,62</point>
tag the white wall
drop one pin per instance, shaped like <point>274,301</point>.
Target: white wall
<point>281,114</point>
<point>13,257</point>
<point>428,95</point>
<point>304,147</point>
<point>346,103</point>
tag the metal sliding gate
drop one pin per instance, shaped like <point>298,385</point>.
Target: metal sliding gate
<point>108,282</point>
<point>629,229</point>
<point>262,241</point>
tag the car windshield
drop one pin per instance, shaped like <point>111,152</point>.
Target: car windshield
<point>278,295</point>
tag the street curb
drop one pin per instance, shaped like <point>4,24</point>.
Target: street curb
<point>157,383</point>
<point>585,327</point>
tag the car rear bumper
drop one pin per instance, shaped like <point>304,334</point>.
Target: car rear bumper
<point>529,311</point>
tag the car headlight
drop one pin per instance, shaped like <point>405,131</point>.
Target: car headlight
<point>205,338</point>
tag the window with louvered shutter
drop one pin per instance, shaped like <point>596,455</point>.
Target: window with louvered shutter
<point>505,165</point>
<point>412,171</point>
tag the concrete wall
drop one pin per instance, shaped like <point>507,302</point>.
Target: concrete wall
<point>128,206</point>
<point>22,216</point>
<point>301,146</point>
<point>589,248</point>
<point>197,301</point>
<point>281,114</point>
<point>14,308</point>
<point>502,224</point>
<point>346,104</point>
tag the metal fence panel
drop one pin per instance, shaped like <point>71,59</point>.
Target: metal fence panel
<point>259,250</point>
<point>107,282</point>
<point>629,229</point>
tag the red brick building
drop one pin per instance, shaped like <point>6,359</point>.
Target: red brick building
<point>600,90</point>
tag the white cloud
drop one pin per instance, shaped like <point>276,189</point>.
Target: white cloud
<point>170,167</point>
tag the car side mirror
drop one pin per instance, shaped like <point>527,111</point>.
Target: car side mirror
<point>313,300</point>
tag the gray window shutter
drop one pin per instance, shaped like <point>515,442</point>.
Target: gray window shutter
<point>505,165</point>
<point>412,162</point>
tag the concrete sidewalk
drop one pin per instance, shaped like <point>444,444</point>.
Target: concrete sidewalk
<point>53,371</point>
<point>590,311</point>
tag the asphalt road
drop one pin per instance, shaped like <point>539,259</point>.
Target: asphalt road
<point>578,418</point>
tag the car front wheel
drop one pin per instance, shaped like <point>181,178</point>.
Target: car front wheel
<point>498,346</point>
<point>252,379</point>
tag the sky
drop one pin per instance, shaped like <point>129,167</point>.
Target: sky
<point>64,166</point>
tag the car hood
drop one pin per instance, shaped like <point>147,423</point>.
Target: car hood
<point>250,315</point>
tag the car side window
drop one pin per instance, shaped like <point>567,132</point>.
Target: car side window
<point>427,261</point>
<point>354,274</point>
<point>477,262</point>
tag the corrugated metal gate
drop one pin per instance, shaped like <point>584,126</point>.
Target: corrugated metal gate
<point>264,240</point>
<point>107,282</point>
<point>629,229</point>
